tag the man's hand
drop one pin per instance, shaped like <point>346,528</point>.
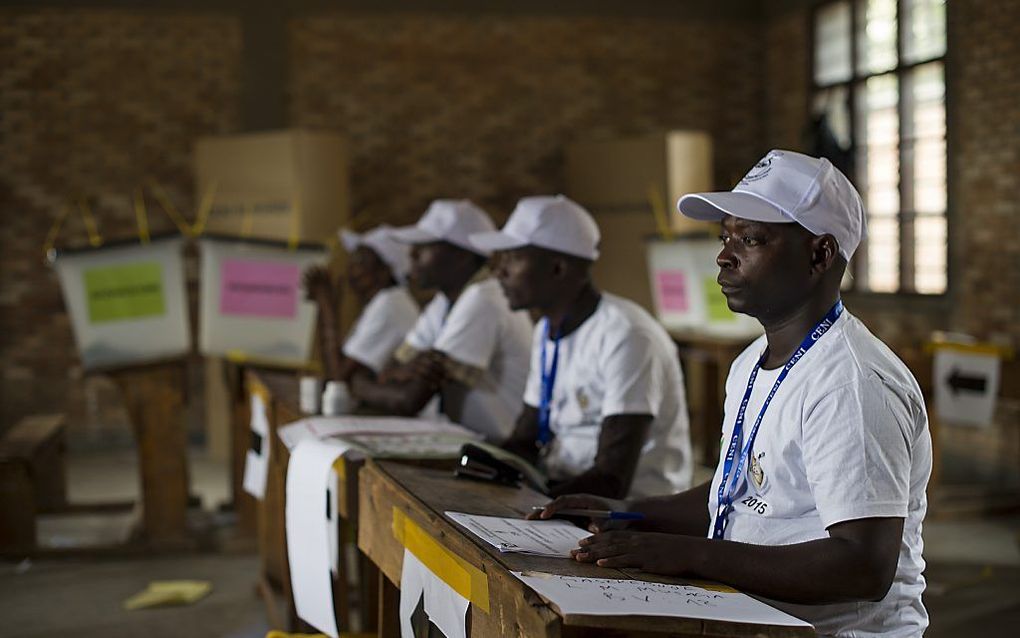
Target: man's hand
<point>319,285</point>
<point>587,502</point>
<point>667,554</point>
<point>430,366</point>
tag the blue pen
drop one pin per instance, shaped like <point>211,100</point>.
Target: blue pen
<point>611,515</point>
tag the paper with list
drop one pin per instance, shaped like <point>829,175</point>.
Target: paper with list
<point>326,427</point>
<point>552,538</point>
<point>609,597</point>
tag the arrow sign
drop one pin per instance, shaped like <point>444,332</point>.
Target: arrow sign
<point>966,386</point>
<point>958,382</point>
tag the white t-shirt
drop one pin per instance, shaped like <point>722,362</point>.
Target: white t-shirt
<point>619,361</point>
<point>381,327</point>
<point>481,331</point>
<point>844,438</point>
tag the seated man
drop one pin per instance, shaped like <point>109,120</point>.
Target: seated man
<point>819,495</point>
<point>605,400</point>
<point>376,274</point>
<point>468,347</point>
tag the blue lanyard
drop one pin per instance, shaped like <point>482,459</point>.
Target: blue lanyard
<point>548,381</point>
<point>731,476</point>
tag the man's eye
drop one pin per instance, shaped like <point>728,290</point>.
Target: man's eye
<point>723,239</point>
<point>750,241</point>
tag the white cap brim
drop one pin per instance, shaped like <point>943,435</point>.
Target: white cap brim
<point>413,235</point>
<point>350,240</point>
<point>714,206</point>
<point>496,240</point>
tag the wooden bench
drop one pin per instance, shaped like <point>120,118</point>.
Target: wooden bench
<point>32,478</point>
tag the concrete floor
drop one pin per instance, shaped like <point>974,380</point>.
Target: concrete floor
<point>973,571</point>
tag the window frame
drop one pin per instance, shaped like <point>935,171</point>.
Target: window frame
<point>905,218</point>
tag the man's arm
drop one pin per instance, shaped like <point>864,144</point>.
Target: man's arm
<point>683,513</point>
<point>522,440</point>
<point>856,563</point>
<point>405,395</point>
<point>619,449</point>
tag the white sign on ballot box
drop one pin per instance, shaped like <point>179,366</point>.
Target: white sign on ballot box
<point>966,385</point>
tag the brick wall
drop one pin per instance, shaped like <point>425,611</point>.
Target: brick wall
<point>91,103</point>
<point>483,106</point>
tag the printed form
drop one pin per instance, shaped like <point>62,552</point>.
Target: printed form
<point>552,538</point>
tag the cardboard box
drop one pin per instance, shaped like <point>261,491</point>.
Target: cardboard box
<point>620,174</point>
<point>615,180</point>
<point>275,185</point>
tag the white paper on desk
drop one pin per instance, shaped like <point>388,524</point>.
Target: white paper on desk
<point>256,459</point>
<point>608,597</point>
<point>323,427</point>
<point>308,529</point>
<point>553,538</point>
<point>443,605</point>
<point>417,446</point>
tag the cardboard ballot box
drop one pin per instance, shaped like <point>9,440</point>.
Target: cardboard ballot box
<point>290,185</point>
<point>252,300</point>
<point>127,302</point>
<point>621,182</point>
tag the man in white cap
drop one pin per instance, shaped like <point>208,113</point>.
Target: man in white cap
<point>376,274</point>
<point>819,495</point>
<point>605,411</point>
<point>467,347</point>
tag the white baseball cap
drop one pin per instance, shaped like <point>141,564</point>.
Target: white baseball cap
<point>789,187</point>
<point>452,220</point>
<point>551,222</point>
<point>380,240</point>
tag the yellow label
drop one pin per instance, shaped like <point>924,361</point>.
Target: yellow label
<point>463,577</point>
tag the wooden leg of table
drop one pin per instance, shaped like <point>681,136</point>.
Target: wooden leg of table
<point>154,398</point>
<point>240,435</point>
<point>389,609</point>
<point>368,594</point>
<point>341,589</point>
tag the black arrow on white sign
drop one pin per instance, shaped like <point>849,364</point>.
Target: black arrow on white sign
<point>958,381</point>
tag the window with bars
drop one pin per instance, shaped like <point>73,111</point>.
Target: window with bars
<point>879,81</point>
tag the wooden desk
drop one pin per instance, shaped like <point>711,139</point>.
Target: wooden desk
<point>706,360</point>
<point>422,495</point>
<point>281,391</point>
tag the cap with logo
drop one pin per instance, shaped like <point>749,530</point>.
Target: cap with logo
<point>450,220</point>
<point>551,222</point>
<point>789,187</point>
<point>380,239</point>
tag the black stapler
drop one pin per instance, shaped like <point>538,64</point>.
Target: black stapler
<point>479,464</point>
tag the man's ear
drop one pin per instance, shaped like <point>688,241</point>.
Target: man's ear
<point>824,253</point>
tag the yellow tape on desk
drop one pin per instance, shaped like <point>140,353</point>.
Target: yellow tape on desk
<point>463,577</point>
<point>340,468</point>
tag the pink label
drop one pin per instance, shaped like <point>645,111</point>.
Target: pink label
<point>672,290</point>
<point>259,288</point>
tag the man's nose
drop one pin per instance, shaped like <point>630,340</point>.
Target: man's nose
<point>726,258</point>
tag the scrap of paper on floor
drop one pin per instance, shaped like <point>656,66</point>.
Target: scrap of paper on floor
<point>552,538</point>
<point>608,597</point>
<point>308,528</point>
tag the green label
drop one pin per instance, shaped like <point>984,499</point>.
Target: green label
<point>715,301</point>
<point>128,291</point>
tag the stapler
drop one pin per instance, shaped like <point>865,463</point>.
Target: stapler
<point>480,465</point>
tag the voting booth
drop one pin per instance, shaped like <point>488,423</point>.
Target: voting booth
<point>127,302</point>
<point>685,293</point>
<point>252,301</point>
